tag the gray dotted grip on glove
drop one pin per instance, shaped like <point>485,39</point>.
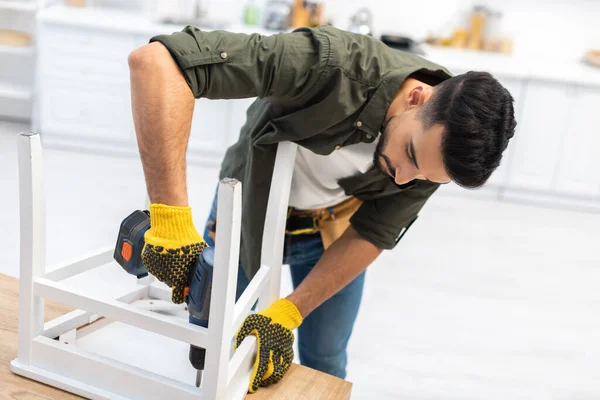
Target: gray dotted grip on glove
<point>172,266</point>
<point>272,337</point>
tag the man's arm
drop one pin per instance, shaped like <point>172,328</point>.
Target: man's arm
<point>343,261</point>
<point>162,105</point>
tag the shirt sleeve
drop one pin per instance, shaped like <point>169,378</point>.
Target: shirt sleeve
<point>226,65</point>
<point>383,221</point>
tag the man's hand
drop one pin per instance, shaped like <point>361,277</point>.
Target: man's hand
<point>172,247</point>
<point>273,330</point>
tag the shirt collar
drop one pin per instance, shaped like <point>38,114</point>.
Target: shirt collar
<point>371,118</point>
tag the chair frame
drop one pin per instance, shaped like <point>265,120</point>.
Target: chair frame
<point>61,364</point>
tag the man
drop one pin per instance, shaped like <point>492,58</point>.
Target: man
<point>379,130</point>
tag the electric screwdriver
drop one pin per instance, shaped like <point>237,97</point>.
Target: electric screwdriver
<point>128,253</point>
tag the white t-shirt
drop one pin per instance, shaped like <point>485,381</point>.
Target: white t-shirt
<point>315,179</point>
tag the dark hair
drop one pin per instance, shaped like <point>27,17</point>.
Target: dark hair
<point>478,116</point>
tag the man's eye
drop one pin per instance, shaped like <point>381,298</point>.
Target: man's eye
<point>409,156</point>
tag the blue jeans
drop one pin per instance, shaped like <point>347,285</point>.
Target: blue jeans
<point>324,334</point>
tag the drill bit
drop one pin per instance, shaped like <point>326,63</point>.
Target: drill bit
<point>198,377</point>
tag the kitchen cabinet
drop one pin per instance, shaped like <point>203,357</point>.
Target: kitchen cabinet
<point>541,127</point>
<point>494,186</point>
<point>557,149</point>
<point>83,88</point>
<point>578,168</point>
<point>210,130</point>
<point>17,62</point>
<point>85,97</point>
<point>238,118</point>
<point>498,178</point>
<point>87,112</point>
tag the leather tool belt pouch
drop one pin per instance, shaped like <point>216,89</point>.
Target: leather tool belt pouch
<point>330,222</point>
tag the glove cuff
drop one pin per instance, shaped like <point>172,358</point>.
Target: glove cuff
<point>172,225</point>
<point>284,312</point>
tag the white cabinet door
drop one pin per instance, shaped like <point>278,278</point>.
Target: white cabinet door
<point>495,184</point>
<point>238,118</point>
<point>210,126</point>
<point>515,87</point>
<point>85,112</point>
<point>579,166</point>
<point>540,129</point>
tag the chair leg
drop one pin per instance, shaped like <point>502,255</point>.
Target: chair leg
<point>33,242</point>
<point>274,231</point>
<point>220,332</point>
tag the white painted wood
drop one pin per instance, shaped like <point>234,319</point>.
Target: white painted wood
<point>146,281</point>
<point>72,320</point>
<point>58,362</point>
<point>91,328</point>
<point>538,138</point>
<point>80,264</point>
<point>240,369</point>
<point>229,215</point>
<point>577,170</point>
<point>98,373</point>
<point>257,285</point>
<point>78,318</point>
<point>164,307</point>
<point>32,245</point>
<point>274,231</point>
<point>113,309</point>
<point>158,290</point>
<point>69,337</point>
<point>62,382</point>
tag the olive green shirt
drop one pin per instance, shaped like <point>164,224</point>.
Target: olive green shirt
<point>321,88</point>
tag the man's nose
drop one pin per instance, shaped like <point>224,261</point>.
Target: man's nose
<point>403,178</point>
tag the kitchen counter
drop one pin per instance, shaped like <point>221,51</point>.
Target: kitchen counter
<point>125,21</point>
<point>546,69</point>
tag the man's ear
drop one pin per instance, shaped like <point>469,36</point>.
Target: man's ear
<point>416,97</point>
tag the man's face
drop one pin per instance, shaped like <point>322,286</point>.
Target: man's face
<point>406,151</point>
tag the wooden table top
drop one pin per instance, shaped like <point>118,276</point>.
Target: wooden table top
<point>299,382</point>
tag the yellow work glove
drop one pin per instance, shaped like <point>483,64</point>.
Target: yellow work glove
<point>273,330</point>
<point>172,247</point>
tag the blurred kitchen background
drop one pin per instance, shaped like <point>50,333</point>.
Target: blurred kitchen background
<point>505,305</point>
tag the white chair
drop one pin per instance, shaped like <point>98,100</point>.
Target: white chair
<point>63,364</point>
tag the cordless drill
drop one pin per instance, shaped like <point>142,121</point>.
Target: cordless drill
<point>128,253</point>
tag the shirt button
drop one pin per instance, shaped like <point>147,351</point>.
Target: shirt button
<point>224,55</point>
<point>338,147</point>
<point>359,124</point>
<point>369,136</point>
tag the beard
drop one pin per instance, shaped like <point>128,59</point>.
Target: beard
<point>379,158</point>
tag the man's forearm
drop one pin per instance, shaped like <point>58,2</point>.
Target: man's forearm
<point>343,261</point>
<point>162,105</point>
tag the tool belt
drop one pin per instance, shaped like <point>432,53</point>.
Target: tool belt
<point>330,222</point>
